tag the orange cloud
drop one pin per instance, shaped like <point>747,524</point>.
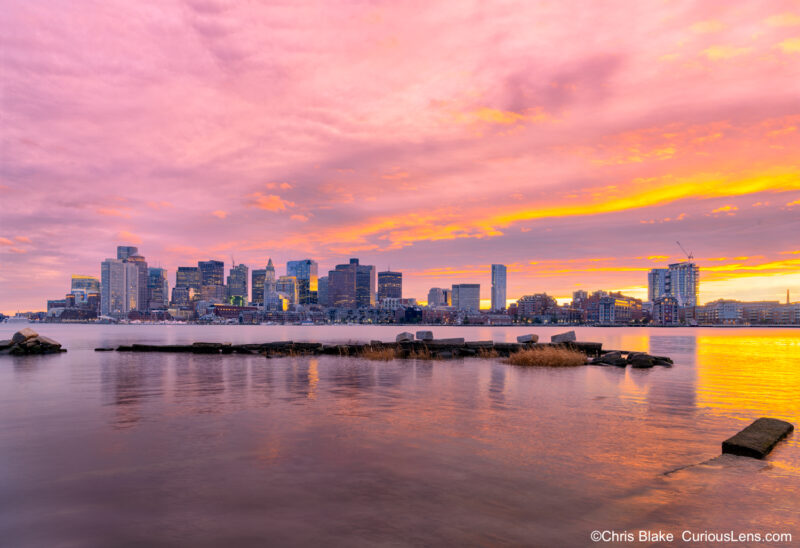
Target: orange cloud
<point>270,202</point>
<point>111,212</point>
<point>792,45</point>
<point>220,214</point>
<point>707,27</point>
<point>783,20</point>
<point>5,241</point>
<point>724,209</point>
<point>299,217</point>
<point>128,237</point>
<point>717,53</point>
<point>502,117</point>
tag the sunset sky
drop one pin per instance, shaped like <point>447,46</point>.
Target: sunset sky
<point>573,141</point>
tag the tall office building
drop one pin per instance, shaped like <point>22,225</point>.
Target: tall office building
<point>211,272</point>
<point>237,284</point>
<point>125,251</point>
<point>307,273</point>
<point>366,284</point>
<point>436,297</point>
<point>467,297</point>
<point>258,286</point>
<point>188,277</point>
<point>498,287</point>
<point>679,280</point>
<point>390,285</point>
<point>119,287</point>
<point>287,287</point>
<point>158,288</point>
<point>143,299</point>
<point>342,286</point>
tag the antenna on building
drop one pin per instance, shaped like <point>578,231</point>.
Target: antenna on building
<point>688,255</point>
<point>233,263</point>
<point>787,296</point>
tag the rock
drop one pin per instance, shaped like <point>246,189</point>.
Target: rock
<point>23,335</point>
<point>5,344</point>
<point>103,349</point>
<point>424,335</point>
<point>569,336</point>
<point>47,341</point>
<point>445,355</point>
<point>609,356</point>
<point>641,361</point>
<point>531,338</point>
<point>376,343</point>
<point>405,336</point>
<point>480,344</point>
<point>758,439</point>
<point>448,342</point>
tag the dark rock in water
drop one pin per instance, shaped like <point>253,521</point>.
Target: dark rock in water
<point>27,341</point>
<point>531,338</point>
<point>641,361</point>
<point>104,349</point>
<point>404,336</point>
<point>23,335</point>
<point>758,439</point>
<point>662,359</point>
<point>480,344</point>
<point>376,343</point>
<point>609,356</point>
<point>569,336</point>
<point>424,335</point>
<point>444,355</point>
<point>588,348</point>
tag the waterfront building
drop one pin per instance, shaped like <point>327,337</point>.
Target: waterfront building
<point>679,280</point>
<point>237,283</point>
<point>125,251</point>
<point>306,272</point>
<point>216,294</point>
<point>119,287</point>
<point>188,277</point>
<point>258,286</point>
<point>467,297</point>
<point>87,284</point>
<point>619,309</point>
<point>143,298</point>
<point>666,311</point>
<point>390,285</point>
<point>538,305</point>
<point>157,288</point>
<point>579,297</point>
<point>287,287</point>
<point>498,287</point>
<point>448,296</point>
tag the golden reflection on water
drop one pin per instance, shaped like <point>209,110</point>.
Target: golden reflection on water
<point>313,378</point>
<point>750,374</point>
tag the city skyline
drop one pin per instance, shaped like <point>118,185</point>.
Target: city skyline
<point>435,142</point>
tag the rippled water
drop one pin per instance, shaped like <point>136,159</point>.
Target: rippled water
<point>108,449</point>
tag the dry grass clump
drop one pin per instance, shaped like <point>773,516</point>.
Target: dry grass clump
<point>487,353</point>
<point>378,354</point>
<point>421,354</point>
<point>547,357</point>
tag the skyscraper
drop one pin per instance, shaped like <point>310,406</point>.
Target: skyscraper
<point>467,297</point>
<point>87,284</point>
<point>119,287</point>
<point>143,298</point>
<point>211,272</point>
<point>188,277</point>
<point>436,297</point>
<point>498,287</point>
<point>322,291</point>
<point>258,286</point>
<point>237,283</point>
<point>366,282</point>
<point>307,273</point>
<point>390,285</point>
<point>342,286</point>
<point>158,288</point>
<point>125,251</point>
<point>679,280</point>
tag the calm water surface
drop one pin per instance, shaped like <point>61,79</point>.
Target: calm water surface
<point>108,449</point>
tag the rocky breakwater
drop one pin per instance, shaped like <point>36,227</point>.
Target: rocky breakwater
<point>27,341</point>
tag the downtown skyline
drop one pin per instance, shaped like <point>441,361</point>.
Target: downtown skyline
<point>433,141</point>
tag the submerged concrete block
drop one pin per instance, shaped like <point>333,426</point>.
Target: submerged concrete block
<point>424,335</point>
<point>530,338</point>
<point>405,336</point>
<point>758,439</point>
<point>458,341</point>
<point>569,336</point>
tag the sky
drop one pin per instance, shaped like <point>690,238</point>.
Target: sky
<point>575,142</point>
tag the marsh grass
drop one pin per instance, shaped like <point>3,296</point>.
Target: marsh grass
<point>547,357</point>
<point>487,353</point>
<point>378,354</point>
<point>422,354</point>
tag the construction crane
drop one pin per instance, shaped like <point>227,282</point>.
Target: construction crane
<point>688,255</point>
<point>233,263</point>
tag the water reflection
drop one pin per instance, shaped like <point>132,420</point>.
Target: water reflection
<point>131,384</point>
